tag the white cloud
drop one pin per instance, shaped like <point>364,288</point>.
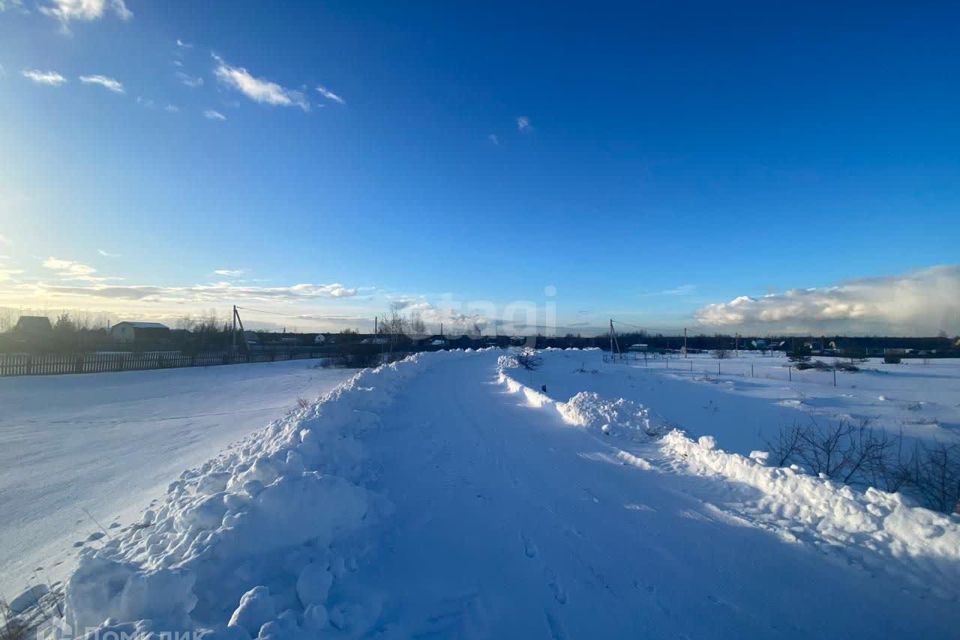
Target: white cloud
<point>104,81</point>
<point>493,138</point>
<point>50,78</point>
<point>4,240</point>
<point>6,273</point>
<point>172,108</point>
<point>330,95</point>
<point>189,80</point>
<point>211,114</point>
<point>184,45</point>
<point>11,4</point>
<point>107,254</point>
<point>682,290</point>
<point>229,273</point>
<point>70,270</point>
<point>523,124</point>
<point>202,293</point>
<point>258,89</point>
<point>919,303</point>
<point>86,10</point>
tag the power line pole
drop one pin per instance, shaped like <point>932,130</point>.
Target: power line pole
<point>233,334</point>
<point>611,338</point>
<point>684,342</point>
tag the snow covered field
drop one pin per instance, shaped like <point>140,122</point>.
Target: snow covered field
<point>445,497</point>
<point>78,452</point>
<point>755,395</point>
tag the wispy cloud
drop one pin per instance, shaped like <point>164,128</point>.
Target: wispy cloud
<point>7,275</point>
<point>258,89</point>
<point>203,293</point>
<point>330,95</point>
<point>188,80</point>
<point>493,139</point>
<point>49,78</point>
<point>85,10</point>
<point>918,303</point>
<point>184,45</point>
<point>107,254</point>
<point>71,270</point>
<point>523,124</point>
<point>4,240</point>
<point>172,108</point>
<point>211,114</point>
<point>682,290</point>
<point>229,273</point>
<point>12,4</point>
<point>106,82</point>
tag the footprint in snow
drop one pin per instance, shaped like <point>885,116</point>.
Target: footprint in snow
<point>554,626</point>
<point>529,546</point>
<point>559,594</point>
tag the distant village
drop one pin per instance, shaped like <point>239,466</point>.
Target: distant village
<point>38,334</point>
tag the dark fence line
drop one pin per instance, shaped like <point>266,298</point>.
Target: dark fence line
<point>54,363</point>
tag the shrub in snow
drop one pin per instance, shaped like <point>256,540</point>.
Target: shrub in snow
<point>880,530</point>
<point>862,456</point>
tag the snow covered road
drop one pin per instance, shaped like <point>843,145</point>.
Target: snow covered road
<point>441,498</point>
<point>78,450</point>
<point>510,523</point>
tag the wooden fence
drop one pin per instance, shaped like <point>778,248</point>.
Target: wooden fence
<point>59,363</point>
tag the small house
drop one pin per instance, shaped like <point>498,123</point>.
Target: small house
<point>139,332</point>
<point>33,326</point>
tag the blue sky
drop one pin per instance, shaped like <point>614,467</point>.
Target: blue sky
<point>648,161</point>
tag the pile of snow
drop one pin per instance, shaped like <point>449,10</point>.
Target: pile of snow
<point>247,545</point>
<point>620,417</point>
<point>876,529</point>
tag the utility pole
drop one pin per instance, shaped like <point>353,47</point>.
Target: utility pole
<point>375,318</point>
<point>233,333</point>
<point>684,342</point>
<point>441,329</point>
<point>611,338</point>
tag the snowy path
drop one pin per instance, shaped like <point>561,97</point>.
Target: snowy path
<point>510,523</point>
<point>440,498</point>
<point>74,449</point>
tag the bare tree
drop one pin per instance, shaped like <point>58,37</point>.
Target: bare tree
<point>860,455</point>
<point>529,360</point>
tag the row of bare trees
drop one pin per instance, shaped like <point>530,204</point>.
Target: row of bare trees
<point>860,455</point>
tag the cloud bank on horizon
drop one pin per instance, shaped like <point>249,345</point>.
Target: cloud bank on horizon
<point>923,302</point>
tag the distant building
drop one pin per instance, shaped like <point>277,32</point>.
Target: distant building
<point>133,332</point>
<point>33,326</point>
<point>637,347</point>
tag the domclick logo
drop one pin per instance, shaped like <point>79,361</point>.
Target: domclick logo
<point>58,629</point>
